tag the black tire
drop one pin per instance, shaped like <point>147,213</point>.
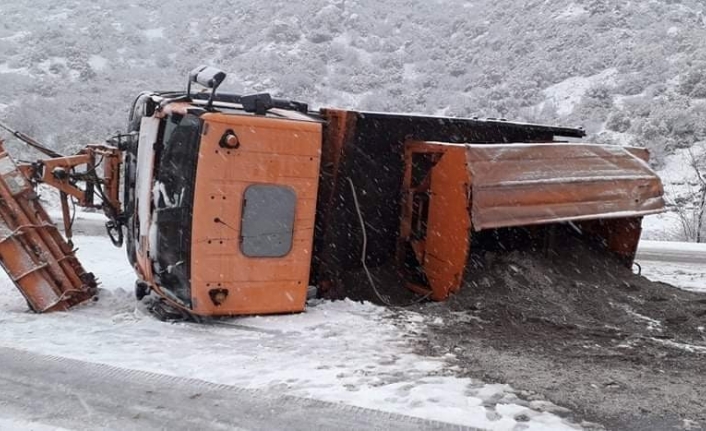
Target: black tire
<point>141,290</point>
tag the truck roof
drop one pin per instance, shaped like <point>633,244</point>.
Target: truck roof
<point>298,111</point>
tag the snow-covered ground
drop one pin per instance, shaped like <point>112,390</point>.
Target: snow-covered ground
<point>566,95</point>
<point>337,351</point>
<point>22,425</point>
<point>342,351</point>
<point>679,263</point>
<point>687,276</point>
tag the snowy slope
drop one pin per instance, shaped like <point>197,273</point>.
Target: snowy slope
<point>23,425</point>
<point>69,70</point>
<point>630,73</point>
<point>681,186</point>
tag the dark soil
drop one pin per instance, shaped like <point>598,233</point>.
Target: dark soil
<point>582,330</point>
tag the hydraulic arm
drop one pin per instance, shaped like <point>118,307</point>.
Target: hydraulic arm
<point>39,260</point>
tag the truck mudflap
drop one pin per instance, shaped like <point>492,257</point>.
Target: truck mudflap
<point>454,195</point>
<point>38,260</point>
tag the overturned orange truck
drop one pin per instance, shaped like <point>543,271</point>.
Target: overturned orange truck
<point>235,205</point>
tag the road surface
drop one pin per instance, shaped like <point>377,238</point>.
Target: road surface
<point>677,252</point>
<point>76,395</point>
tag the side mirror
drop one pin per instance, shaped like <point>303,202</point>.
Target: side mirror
<point>208,77</point>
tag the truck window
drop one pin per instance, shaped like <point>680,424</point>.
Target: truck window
<point>175,180</point>
<point>268,221</point>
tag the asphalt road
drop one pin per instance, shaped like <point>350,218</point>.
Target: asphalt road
<point>82,396</point>
<point>675,252</point>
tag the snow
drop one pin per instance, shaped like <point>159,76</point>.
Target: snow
<point>686,276</point>
<point>661,227</point>
<point>622,139</point>
<point>343,351</point>
<point>21,425</point>
<point>682,264</point>
<point>675,246</point>
<point>680,185</point>
<point>45,65</point>
<point>571,12</point>
<point>97,62</point>
<point>145,164</point>
<point>677,169</point>
<point>568,93</point>
<point>154,33</point>
<point>347,352</point>
<point>4,68</point>
<point>16,36</point>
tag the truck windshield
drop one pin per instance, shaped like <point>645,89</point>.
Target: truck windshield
<point>173,198</point>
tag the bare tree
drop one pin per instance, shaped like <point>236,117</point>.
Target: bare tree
<point>701,207</point>
<point>692,216</point>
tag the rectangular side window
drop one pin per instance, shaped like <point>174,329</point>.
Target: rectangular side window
<point>267,227</point>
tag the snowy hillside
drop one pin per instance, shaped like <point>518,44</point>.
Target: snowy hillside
<point>630,73</point>
<point>637,66</point>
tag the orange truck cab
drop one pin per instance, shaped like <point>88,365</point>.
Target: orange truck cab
<point>222,205</point>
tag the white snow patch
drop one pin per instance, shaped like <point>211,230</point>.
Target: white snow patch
<point>340,351</point>
<point>154,33</point>
<point>409,72</point>
<point>16,36</point>
<point>568,93</point>
<point>677,169</point>
<point>687,276</point>
<point>673,31</point>
<point>346,40</point>
<point>26,425</point>
<point>619,100</point>
<point>45,65</point>
<point>618,138</point>
<point>97,62</point>
<point>661,227</point>
<point>681,346</point>
<point>5,68</point>
<point>571,12</point>
<point>681,184</point>
<point>681,264</point>
<point>60,16</point>
<point>667,247</point>
<point>652,324</point>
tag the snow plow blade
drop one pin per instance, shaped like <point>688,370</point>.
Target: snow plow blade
<point>460,198</point>
<point>36,257</point>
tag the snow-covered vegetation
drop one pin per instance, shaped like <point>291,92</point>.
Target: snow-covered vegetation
<point>629,72</point>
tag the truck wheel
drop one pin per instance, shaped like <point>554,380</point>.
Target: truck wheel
<point>141,290</point>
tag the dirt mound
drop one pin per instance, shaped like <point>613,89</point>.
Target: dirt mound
<point>577,290</point>
<point>575,326</point>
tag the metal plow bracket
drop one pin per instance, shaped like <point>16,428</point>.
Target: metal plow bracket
<point>32,251</point>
